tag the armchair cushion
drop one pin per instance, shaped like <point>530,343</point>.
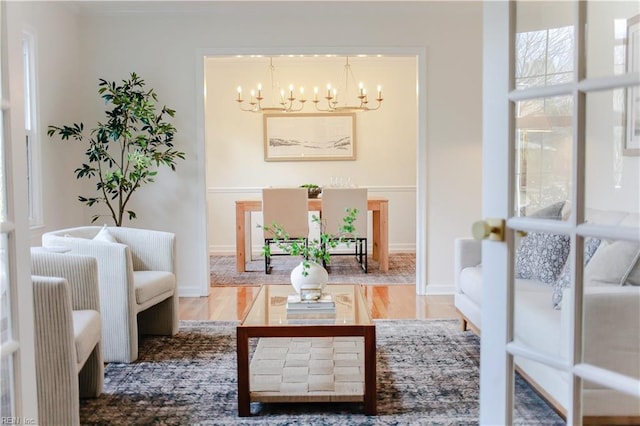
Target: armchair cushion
<point>151,284</point>
<point>87,330</point>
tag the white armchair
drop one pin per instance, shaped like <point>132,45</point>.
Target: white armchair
<point>138,289</point>
<point>69,362</point>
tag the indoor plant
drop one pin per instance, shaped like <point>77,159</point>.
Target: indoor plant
<point>315,252</point>
<point>312,189</point>
<point>141,140</point>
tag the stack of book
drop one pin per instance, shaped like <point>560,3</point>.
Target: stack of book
<point>311,310</point>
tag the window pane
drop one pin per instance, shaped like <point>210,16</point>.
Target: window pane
<point>527,401</point>
<point>5,292</point>
<point>6,385</point>
<point>613,37</point>
<point>543,155</point>
<point>544,43</point>
<point>612,172</point>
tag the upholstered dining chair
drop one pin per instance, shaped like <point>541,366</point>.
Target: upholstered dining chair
<point>67,326</point>
<point>286,207</point>
<point>335,202</point>
<point>138,290</point>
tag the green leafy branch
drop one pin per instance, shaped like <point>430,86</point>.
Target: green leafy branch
<point>124,153</point>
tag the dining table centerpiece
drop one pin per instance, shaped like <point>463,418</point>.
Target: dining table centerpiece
<point>310,276</point>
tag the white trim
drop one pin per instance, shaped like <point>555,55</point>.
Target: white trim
<point>441,289</point>
<point>421,189</point>
<point>609,379</point>
<point>29,37</point>
<point>519,349</point>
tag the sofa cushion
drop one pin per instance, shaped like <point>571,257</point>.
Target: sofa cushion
<point>471,283</point>
<point>87,330</point>
<point>564,279</point>
<point>149,284</point>
<point>535,323</point>
<point>541,256</point>
<point>612,263</point>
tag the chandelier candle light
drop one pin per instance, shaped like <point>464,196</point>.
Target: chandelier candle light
<point>285,103</point>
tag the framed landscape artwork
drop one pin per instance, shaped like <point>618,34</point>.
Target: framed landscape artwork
<point>309,137</point>
<point>632,140</point>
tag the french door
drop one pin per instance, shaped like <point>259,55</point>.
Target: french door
<point>18,398</point>
<point>561,129</point>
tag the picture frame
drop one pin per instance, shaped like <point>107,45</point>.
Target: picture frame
<point>632,117</point>
<point>309,137</point>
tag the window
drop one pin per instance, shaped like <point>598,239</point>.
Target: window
<point>544,136</point>
<point>32,141</point>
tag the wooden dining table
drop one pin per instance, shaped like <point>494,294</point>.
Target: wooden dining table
<point>379,208</point>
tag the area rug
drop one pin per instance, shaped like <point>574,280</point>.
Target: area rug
<point>427,374</point>
<point>343,269</point>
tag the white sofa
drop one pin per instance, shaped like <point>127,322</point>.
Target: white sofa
<point>611,326</point>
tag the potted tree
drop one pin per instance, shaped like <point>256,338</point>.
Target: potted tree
<point>315,253</point>
<point>125,151</point>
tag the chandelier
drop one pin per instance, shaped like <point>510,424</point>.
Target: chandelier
<point>335,97</point>
<point>281,101</point>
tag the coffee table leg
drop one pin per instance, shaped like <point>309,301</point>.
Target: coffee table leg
<point>370,393</point>
<point>242,342</point>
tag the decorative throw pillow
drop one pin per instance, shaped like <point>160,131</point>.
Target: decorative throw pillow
<point>564,280</point>
<point>634,275</point>
<point>105,235</point>
<point>553,211</point>
<point>612,263</point>
<point>541,256</point>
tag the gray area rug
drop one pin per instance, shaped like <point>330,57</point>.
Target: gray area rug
<point>427,374</point>
<point>343,269</point>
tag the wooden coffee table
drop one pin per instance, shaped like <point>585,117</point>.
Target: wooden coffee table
<point>309,359</point>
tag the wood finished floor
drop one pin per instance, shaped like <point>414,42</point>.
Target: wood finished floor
<point>385,302</point>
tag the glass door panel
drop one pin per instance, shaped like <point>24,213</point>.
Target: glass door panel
<point>545,43</point>
<point>612,173</point>
<point>543,166</point>
<point>542,397</point>
<point>613,34</point>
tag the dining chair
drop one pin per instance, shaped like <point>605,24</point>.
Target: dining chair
<point>335,202</point>
<point>287,208</point>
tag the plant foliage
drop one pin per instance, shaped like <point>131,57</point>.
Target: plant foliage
<point>125,151</point>
<point>316,249</point>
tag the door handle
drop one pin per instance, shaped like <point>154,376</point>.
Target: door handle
<point>491,229</point>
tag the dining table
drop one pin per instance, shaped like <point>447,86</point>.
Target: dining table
<point>378,206</point>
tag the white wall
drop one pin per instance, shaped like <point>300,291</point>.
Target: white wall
<point>161,44</point>
<point>386,141</point>
<point>60,97</point>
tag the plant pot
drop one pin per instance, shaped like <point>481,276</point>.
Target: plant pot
<point>316,278</point>
<point>314,192</point>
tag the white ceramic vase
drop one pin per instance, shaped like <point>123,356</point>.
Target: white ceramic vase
<point>316,278</point>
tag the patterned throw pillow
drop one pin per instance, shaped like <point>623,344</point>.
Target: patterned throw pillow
<point>541,256</point>
<point>564,280</point>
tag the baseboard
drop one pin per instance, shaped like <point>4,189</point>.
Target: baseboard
<point>190,292</point>
<point>440,289</point>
